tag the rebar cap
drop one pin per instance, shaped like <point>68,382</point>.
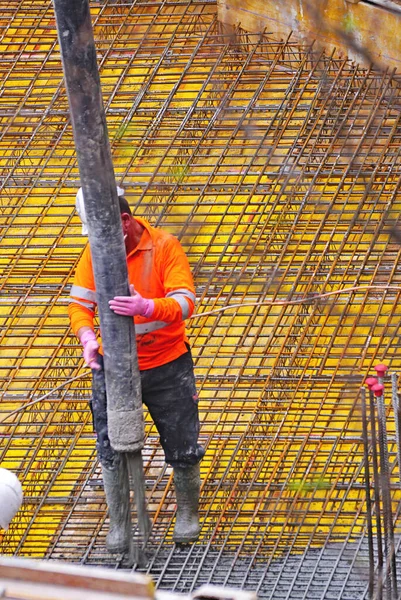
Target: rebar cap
<point>378,389</point>
<point>381,370</point>
<point>371,381</point>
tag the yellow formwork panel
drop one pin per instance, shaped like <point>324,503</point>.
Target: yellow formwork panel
<point>279,172</point>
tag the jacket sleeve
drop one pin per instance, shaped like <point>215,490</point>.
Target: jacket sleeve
<point>179,301</point>
<point>82,307</point>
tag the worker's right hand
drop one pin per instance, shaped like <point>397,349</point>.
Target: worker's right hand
<point>91,348</point>
<point>130,306</point>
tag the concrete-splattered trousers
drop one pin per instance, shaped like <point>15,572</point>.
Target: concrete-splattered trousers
<point>169,393</point>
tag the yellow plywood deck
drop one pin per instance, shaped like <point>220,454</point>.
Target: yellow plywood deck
<point>279,171</point>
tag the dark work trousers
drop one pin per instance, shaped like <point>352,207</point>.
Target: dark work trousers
<point>169,393</point>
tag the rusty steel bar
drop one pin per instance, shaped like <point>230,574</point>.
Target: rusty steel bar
<point>389,557</point>
<point>368,492</point>
<point>371,383</point>
<point>397,418</point>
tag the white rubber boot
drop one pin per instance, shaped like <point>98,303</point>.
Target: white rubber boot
<point>187,487</point>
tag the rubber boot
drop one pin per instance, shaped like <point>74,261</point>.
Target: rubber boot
<point>116,487</point>
<point>187,486</point>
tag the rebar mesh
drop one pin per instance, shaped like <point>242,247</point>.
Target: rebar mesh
<point>278,169</point>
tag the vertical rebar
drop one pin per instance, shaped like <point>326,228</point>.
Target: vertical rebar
<point>397,418</point>
<point>391,569</point>
<point>381,370</point>
<point>371,382</point>
<point>368,498</point>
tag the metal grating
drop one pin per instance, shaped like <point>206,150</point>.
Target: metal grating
<point>279,171</point>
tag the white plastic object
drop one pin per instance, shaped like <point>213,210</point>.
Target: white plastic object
<point>10,497</point>
<point>80,207</point>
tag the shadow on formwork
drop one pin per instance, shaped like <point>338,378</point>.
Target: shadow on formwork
<point>279,171</point>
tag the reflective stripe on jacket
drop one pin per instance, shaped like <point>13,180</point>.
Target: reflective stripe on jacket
<point>159,269</point>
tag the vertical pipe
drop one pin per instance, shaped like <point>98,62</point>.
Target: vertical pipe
<point>368,498</point>
<point>135,469</point>
<point>104,223</point>
<point>123,386</point>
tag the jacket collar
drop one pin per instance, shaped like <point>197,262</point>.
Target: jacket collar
<point>146,242</point>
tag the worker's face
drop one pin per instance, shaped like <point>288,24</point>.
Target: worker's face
<point>126,224</point>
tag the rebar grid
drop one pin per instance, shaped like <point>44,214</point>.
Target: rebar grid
<point>278,168</point>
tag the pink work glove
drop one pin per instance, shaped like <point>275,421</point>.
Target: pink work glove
<point>133,305</point>
<point>91,347</point>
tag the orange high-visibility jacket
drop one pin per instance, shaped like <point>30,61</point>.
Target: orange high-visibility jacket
<point>159,270</point>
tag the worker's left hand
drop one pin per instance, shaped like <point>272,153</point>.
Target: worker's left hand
<point>133,305</point>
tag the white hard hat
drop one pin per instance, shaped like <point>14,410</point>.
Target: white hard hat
<point>10,497</point>
<point>79,205</point>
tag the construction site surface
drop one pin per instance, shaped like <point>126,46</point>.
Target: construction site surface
<point>278,167</point>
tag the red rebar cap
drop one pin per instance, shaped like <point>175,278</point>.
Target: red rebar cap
<point>378,389</point>
<point>380,370</point>
<point>371,381</point>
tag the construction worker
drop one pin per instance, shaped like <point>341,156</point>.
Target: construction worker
<point>162,297</point>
